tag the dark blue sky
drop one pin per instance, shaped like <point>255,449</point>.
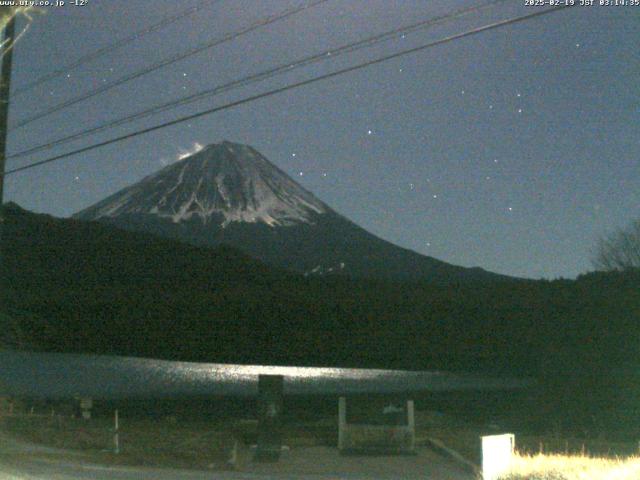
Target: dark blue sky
<point>512,150</point>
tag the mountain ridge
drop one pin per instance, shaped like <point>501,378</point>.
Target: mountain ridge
<point>229,193</point>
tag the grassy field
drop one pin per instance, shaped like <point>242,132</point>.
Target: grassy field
<point>573,467</point>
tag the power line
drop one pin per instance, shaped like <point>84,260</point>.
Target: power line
<point>282,68</point>
<point>163,63</point>
<point>292,86</point>
<point>89,57</point>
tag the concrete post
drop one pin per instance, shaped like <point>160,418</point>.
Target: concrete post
<point>411,424</point>
<point>342,421</point>
<point>116,432</point>
<point>270,393</point>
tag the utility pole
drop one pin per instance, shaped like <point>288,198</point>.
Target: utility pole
<point>5,86</point>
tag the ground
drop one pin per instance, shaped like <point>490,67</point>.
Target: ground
<point>21,460</point>
<point>61,447</point>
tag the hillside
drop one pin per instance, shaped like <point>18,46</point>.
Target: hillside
<point>106,289</point>
<point>91,288</point>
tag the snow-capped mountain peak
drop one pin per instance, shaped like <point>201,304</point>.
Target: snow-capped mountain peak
<point>225,182</point>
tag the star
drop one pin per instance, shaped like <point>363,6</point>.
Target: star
<point>369,132</point>
<point>301,174</point>
<point>577,45</point>
<point>400,70</point>
<point>490,107</point>
<point>435,196</point>
<point>324,174</point>
<point>77,178</point>
<point>184,74</point>
<point>462,92</point>
<point>518,94</point>
<point>519,110</point>
<point>495,160</point>
<point>293,154</point>
<point>428,244</point>
<point>510,209</point>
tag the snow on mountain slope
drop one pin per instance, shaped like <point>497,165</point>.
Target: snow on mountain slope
<point>227,180</point>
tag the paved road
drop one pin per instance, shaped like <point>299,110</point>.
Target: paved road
<point>46,469</point>
<point>21,461</point>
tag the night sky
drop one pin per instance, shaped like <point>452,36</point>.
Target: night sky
<point>512,150</point>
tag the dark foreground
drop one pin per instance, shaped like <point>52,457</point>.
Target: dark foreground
<point>21,460</point>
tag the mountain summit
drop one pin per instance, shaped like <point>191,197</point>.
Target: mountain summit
<point>230,194</point>
<point>221,183</point>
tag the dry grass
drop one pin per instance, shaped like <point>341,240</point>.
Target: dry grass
<point>540,457</point>
<point>573,467</point>
<point>568,445</point>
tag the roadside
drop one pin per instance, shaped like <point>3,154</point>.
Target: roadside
<point>311,453</point>
<point>447,447</point>
<point>317,463</point>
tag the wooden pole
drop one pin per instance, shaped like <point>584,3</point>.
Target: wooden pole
<point>5,86</point>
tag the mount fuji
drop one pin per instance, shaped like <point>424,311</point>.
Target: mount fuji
<point>229,193</point>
